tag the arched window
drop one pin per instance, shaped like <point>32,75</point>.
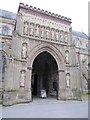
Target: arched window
<point>66,37</point>
<point>52,33</point>
<point>47,33</point>
<point>5,30</point>
<point>78,44</point>
<point>67,57</point>
<point>24,51</point>
<point>68,80</point>
<point>42,32</point>
<point>22,78</point>
<point>57,34</point>
<point>61,35</point>
<point>37,30</point>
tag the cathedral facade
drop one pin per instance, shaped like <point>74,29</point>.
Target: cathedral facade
<point>40,55</point>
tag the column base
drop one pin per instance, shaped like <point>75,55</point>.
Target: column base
<point>68,94</point>
<point>15,97</point>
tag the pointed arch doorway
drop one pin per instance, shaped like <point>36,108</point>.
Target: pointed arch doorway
<point>45,75</point>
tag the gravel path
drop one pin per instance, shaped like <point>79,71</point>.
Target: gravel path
<point>47,108</point>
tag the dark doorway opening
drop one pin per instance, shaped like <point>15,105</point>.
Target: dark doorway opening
<point>45,75</point>
<point>34,85</point>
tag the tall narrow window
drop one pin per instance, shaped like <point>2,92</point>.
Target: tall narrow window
<point>66,37</point>
<point>37,30</point>
<point>57,35</point>
<point>47,33</point>
<point>5,30</point>
<point>52,34</point>
<point>61,35</point>
<point>42,32</point>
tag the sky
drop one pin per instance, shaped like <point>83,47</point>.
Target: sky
<point>77,10</point>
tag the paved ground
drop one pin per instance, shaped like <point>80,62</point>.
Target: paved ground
<point>47,108</point>
<point>0,112</point>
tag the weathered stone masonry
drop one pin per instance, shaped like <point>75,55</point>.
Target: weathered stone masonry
<point>42,48</point>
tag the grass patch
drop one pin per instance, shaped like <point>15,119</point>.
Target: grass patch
<point>87,95</point>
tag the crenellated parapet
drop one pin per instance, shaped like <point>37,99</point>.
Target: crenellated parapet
<point>45,12</point>
<point>35,23</point>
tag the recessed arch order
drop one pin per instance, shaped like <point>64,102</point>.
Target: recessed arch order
<point>57,55</point>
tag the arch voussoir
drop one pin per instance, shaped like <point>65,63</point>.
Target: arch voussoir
<point>50,49</point>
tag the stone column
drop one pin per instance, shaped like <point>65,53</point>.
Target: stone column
<point>19,25</point>
<point>28,86</point>
<point>61,85</point>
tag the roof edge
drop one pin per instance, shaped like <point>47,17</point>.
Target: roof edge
<point>26,6</point>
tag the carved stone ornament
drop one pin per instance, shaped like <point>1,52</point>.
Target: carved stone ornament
<point>25,28</point>
<point>24,50</point>
<point>23,78</point>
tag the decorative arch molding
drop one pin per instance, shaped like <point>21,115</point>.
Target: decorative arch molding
<point>50,49</point>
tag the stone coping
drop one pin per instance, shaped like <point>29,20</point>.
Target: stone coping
<point>44,12</point>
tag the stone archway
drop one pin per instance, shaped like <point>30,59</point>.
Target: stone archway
<point>45,75</point>
<point>57,56</point>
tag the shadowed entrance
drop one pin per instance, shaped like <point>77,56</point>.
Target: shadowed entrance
<point>45,75</point>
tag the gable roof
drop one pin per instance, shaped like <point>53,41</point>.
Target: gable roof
<point>79,34</point>
<point>7,14</point>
